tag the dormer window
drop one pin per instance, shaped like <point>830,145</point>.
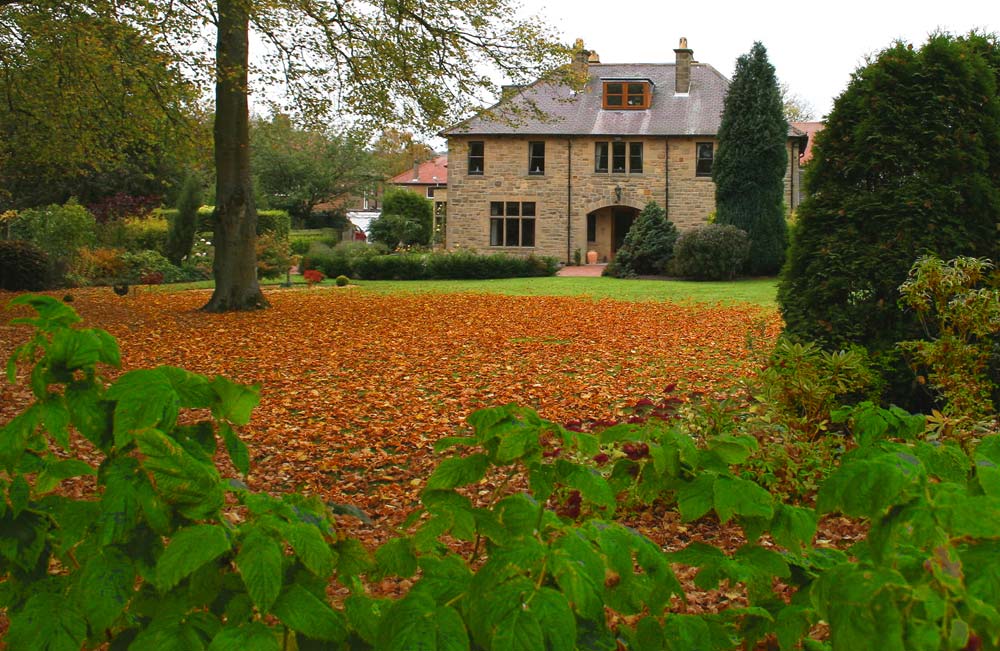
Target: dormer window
<point>626,95</point>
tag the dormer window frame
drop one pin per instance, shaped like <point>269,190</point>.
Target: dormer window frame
<point>626,94</point>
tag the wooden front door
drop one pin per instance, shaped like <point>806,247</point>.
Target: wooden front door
<point>621,222</point>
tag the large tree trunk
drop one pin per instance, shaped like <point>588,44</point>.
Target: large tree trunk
<point>235,267</point>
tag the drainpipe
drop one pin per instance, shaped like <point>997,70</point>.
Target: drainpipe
<point>569,200</point>
<point>666,177</point>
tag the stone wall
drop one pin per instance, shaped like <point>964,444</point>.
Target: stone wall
<point>571,187</point>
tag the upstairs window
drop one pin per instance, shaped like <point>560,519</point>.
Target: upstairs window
<point>626,95</point>
<point>512,223</point>
<point>618,157</point>
<point>477,158</point>
<point>705,154</point>
<point>536,158</point>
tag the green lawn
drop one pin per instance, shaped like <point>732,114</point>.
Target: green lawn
<point>758,291</point>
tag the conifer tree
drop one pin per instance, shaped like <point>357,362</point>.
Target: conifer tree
<point>648,246</point>
<point>749,168</point>
<point>180,237</point>
<point>908,164</point>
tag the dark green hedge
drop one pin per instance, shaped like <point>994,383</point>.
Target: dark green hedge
<point>268,221</point>
<point>356,263</point>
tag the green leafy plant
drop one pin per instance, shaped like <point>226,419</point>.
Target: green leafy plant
<point>802,384</point>
<point>342,281</point>
<point>146,558</point>
<point>961,319</point>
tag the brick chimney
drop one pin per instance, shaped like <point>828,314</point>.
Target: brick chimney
<point>682,72</point>
<point>581,57</point>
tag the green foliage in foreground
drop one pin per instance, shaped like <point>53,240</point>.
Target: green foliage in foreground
<point>164,553</point>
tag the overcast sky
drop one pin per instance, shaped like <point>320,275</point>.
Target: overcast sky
<point>814,46</point>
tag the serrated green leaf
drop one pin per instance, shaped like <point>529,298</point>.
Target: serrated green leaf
<point>867,487</point>
<point>104,587</point>
<point>57,471</point>
<point>449,442</point>
<point>193,485</point>
<point>235,401</point>
<point>458,471</point>
<point>695,498</point>
<point>793,527</point>
<point>591,484</point>
<point>145,399</point>
<point>55,418</point>
<point>444,579</point>
<point>189,549</point>
<point>735,496</point>
<point>15,434</point>
<point>47,623</point>
<point>791,625</point>
<point>352,558</point>
<point>733,449</point>
<point>260,564</point>
<point>514,444</point>
<point>193,391</point>
<point>518,631</point>
<point>254,636</point>
<point>52,313</point>
<point>364,615</point>
<point>310,547</point>
<point>303,612</point>
<point>685,632</point>
<point>90,414</point>
<point>397,557</point>
<point>519,514</point>
<point>19,494</point>
<point>555,616</point>
<point>237,449</point>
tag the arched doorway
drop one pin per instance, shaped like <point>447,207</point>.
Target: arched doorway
<point>606,229</point>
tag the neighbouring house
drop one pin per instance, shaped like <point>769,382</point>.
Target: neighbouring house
<point>571,169</point>
<point>429,179</point>
<point>810,129</point>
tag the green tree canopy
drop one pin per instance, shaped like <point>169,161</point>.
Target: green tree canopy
<point>92,107</point>
<point>406,219</point>
<point>749,168</point>
<point>296,169</point>
<point>908,164</point>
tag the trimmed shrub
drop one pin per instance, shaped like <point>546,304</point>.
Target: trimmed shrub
<point>300,245</point>
<point>145,234</point>
<point>23,266</point>
<point>392,267</point>
<point>59,231</point>
<point>359,260</point>
<point>712,252</point>
<point>648,246</point>
<point>339,260</point>
<point>343,281</point>
<point>268,221</point>
<point>149,264</point>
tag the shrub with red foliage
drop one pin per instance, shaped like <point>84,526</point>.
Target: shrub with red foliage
<point>313,276</point>
<point>121,205</point>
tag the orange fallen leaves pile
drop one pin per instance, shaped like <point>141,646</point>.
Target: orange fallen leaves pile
<point>357,387</point>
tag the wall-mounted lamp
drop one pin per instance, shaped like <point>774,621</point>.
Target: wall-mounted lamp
<point>618,193</point>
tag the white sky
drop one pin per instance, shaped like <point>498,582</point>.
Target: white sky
<point>814,46</point>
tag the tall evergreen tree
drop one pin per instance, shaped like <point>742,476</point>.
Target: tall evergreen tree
<point>184,227</point>
<point>909,163</point>
<point>749,168</point>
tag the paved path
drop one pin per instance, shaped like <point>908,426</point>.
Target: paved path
<point>588,270</point>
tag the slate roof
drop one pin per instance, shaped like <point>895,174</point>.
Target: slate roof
<point>696,113</point>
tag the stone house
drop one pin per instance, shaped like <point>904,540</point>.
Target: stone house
<point>571,170</point>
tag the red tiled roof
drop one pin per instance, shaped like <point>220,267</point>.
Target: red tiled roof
<point>810,129</point>
<point>432,172</point>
